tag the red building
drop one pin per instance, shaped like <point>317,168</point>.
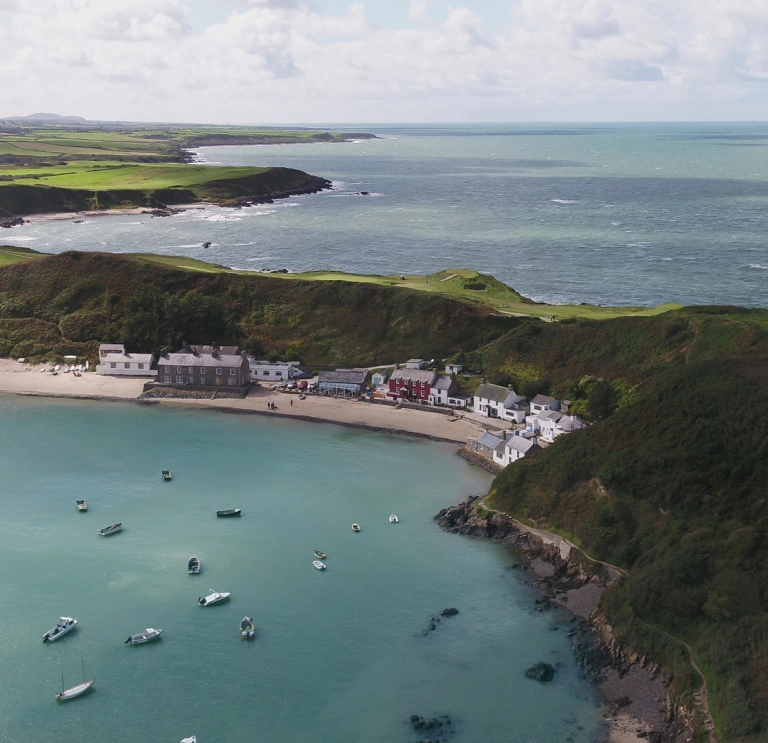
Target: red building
<point>413,385</point>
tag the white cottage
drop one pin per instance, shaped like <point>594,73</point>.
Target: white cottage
<point>553,423</point>
<point>517,447</point>
<point>540,403</point>
<point>494,401</point>
<point>127,365</point>
<point>379,378</point>
<point>273,371</point>
<point>453,368</point>
<point>442,389</point>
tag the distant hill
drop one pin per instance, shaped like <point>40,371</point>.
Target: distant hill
<point>50,117</point>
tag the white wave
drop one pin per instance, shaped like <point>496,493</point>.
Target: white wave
<point>24,239</point>
<point>243,245</point>
<point>758,266</point>
<point>222,218</point>
<point>565,201</point>
<point>615,224</point>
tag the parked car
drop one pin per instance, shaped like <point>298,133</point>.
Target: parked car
<point>290,385</point>
<point>303,375</point>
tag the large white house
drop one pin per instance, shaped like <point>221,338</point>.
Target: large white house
<point>494,401</point>
<point>117,362</point>
<point>443,389</point>
<point>540,403</point>
<point>501,449</point>
<point>273,371</point>
<point>552,423</point>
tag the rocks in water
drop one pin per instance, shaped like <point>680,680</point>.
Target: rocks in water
<point>439,728</point>
<point>541,672</point>
<point>12,222</point>
<point>363,193</point>
<point>449,612</point>
<point>434,621</point>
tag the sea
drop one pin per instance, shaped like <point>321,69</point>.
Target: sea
<point>613,214</point>
<point>340,656</point>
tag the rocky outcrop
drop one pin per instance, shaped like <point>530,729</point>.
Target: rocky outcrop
<point>474,458</point>
<point>312,185</point>
<point>13,222</point>
<point>564,573</point>
<point>542,672</point>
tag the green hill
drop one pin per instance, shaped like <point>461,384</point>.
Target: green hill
<point>670,482</point>
<point>67,303</point>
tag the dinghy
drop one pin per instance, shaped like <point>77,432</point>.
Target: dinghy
<point>76,690</point>
<point>146,636</point>
<point>228,512</point>
<point>191,739</point>
<point>319,555</point>
<point>166,475</point>
<point>355,527</point>
<point>247,630</point>
<point>214,597</point>
<point>319,565</point>
<point>193,566</point>
<point>81,505</point>
<point>393,519</point>
<point>111,529</point>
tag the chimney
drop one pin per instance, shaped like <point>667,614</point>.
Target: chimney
<point>510,388</point>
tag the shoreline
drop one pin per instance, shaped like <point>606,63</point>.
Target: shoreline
<point>635,691</point>
<point>128,211</point>
<point>25,380</point>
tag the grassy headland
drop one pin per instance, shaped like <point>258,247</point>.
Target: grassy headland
<point>55,168</point>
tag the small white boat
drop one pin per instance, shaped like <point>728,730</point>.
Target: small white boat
<point>193,566</point>
<point>214,597</point>
<point>355,527</point>
<point>81,505</point>
<point>146,636</point>
<point>65,370</point>
<point>43,370</point>
<point>64,625</point>
<point>74,691</point>
<point>111,529</point>
<point>393,519</point>
<point>247,630</point>
<point>57,367</point>
<point>191,739</point>
<point>319,565</point>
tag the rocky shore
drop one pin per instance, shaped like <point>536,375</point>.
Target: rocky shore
<point>636,691</point>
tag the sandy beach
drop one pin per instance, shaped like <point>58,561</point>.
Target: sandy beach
<point>26,379</point>
<point>128,211</point>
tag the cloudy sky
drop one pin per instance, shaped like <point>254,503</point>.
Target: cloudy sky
<point>303,61</point>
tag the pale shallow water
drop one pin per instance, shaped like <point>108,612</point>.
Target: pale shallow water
<point>338,656</point>
<point>609,214</point>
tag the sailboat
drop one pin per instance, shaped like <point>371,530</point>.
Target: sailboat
<point>76,690</point>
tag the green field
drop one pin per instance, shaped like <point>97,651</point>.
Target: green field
<point>108,166</point>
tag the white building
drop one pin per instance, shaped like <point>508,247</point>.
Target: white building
<point>453,368</point>
<point>107,348</point>
<point>442,390</point>
<point>500,449</point>
<point>552,423</point>
<point>494,401</point>
<point>126,364</point>
<point>517,447</point>
<point>459,400</point>
<point>379,378</point>
<point>540,403</point>
<point>273,371</point>
<point>415,364</point>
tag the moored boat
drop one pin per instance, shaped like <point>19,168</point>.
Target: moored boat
<point>355,527</point>
<point>76,690</point>
<point>191,739</point>
<point>193,566</point>
<point>393,519</point>
<point>229,512</point>
<point>111,529</point>
<point>64,625</point>
<point>247,630</point>
<point>81,505</point>
<point>319,565</point>
<point>319,555</point>
<point>214,597</point>
<point>146,636</point>
<point>166,475</point>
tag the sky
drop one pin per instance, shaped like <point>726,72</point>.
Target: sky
<point>379,61</point>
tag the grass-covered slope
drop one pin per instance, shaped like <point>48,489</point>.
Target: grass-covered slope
<point>69,302</point>
<point>672,484</point>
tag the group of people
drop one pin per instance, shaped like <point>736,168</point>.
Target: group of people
<point>271,406</point>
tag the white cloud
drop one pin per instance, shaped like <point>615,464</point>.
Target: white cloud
<point>278,60</point>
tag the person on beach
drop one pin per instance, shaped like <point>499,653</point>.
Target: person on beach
<point>291,403</point>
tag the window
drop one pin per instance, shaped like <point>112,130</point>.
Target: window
<point>168,370</point>
<point>218,370</point>
<point>178,369</point>
<point>179,380</point>
<point>233,372</point>
<point>166,379</point>
<point>113,364</point>
<point>141,366</point>
<point>266,373</point>
<point>202,370</point>
<point>191,369</point>
<point>127,365</point>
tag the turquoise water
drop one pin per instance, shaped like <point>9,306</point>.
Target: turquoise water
<point>339,656</point>
<point>608,214</point>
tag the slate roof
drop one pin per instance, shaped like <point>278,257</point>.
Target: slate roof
<point>226,350</point>
<point>110,347</point>
<point>518,443</point>
<point>489,440</point>
<point>542,400</point>
<point>198,360</point>
<point>443,383</point>
<point>342,377</point>
<point>493,392</point>
<point>414,375</point>
<point>550,415</point>
<point>121,358</point>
